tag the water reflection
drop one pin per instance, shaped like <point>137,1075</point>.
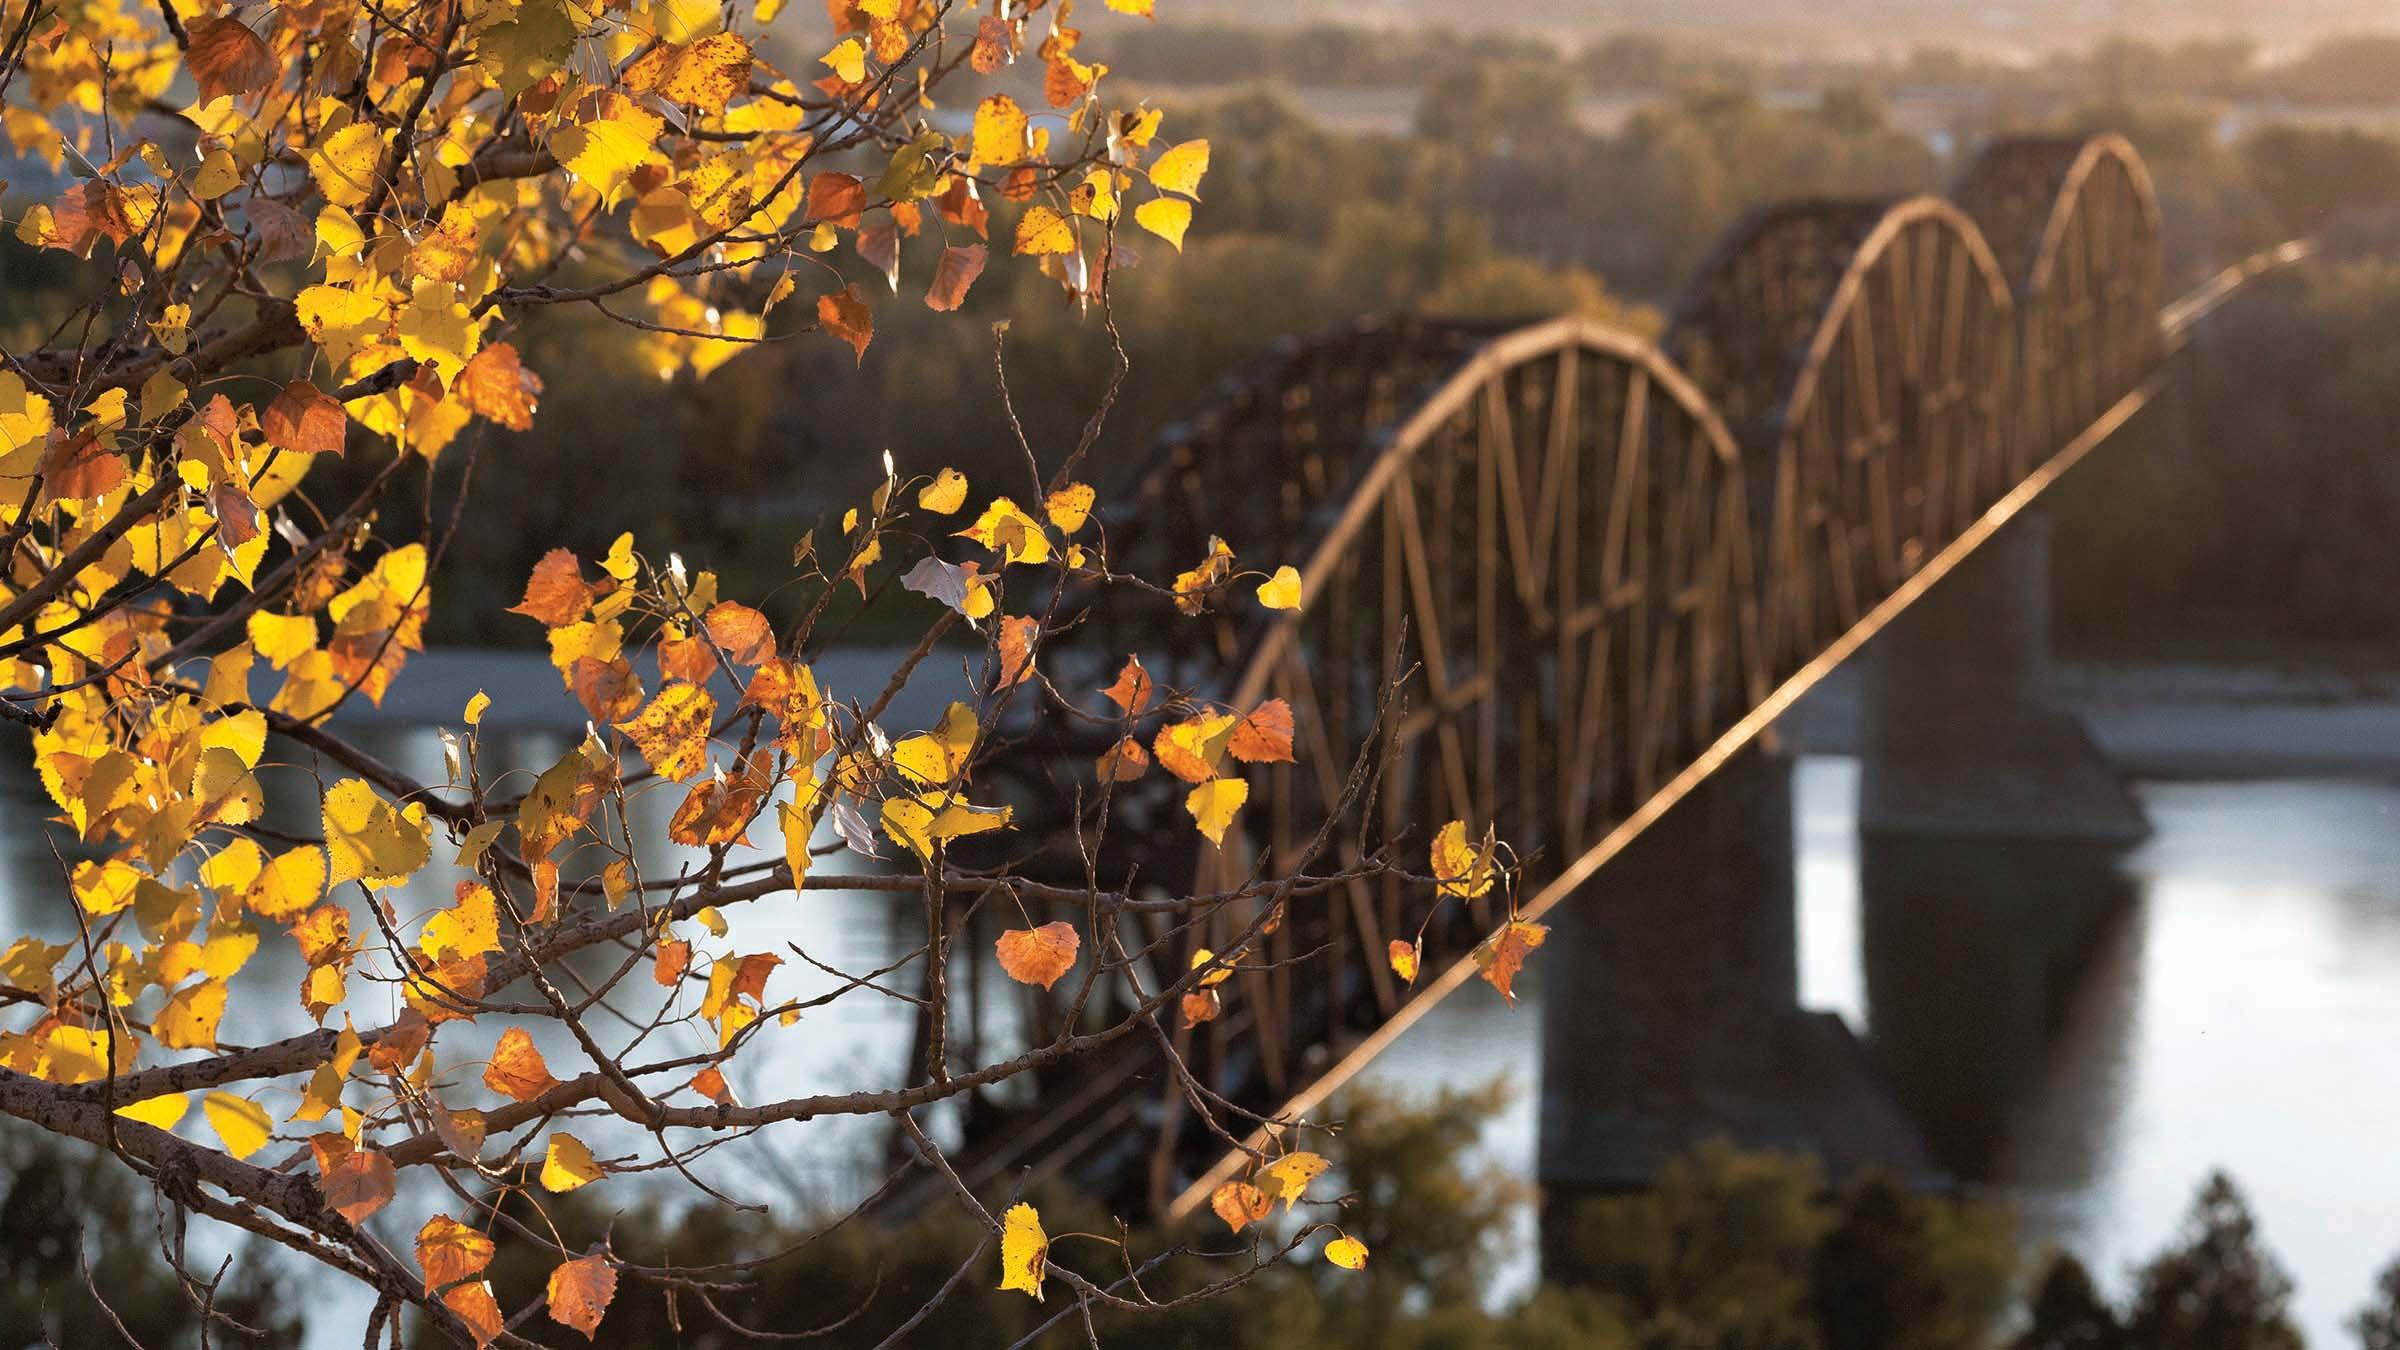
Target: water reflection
<point>2234,1008</point>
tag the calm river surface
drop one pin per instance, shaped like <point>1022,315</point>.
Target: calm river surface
<point>2240,1013</point>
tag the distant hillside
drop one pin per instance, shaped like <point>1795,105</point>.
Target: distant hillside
<point>1845,25</point>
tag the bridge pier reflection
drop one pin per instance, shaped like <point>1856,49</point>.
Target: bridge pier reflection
<point>1674,1014</point>
<point>1990,830</point>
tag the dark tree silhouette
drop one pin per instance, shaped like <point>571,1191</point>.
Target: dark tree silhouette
<point>2219,1288</point>
<point>2377,1325</point>
<point>2068,1312</point>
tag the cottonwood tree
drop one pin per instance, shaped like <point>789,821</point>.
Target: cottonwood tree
<point>295,233</point>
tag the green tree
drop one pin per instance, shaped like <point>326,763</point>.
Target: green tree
<point>1906,1271</point>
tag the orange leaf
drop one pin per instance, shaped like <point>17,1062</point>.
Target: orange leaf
<point>1124,762</point>
<point>496,385</point>
<point>686,658</point>
<point>475,1306</point>
<point>1240,1204</point>
<point>517,1069</point>
<point>78,468</point>
<point>305,420</point>
<point>608,690</point>
<point>960,265</point>
<point>1265,736</point>
<point>1039,955</point>
<point>741,632</point>
<point>227,58</point>
<point>556,593</point>
<point>674,958</point>
<point>837,197</point>
<point>710,1083</point>
<point>1133,688</point>
<point>359,1184</point>
<point>993,42</point>
<point>844,314</point>
<point>1016,649</point>
<point>580,1292</point>
<point>1503,955</point>
<point>1201,1005</point>
<point>450,1251</point>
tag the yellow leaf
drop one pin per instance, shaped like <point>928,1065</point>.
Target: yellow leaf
<point>244,733</point>
<point>1181,169</point>
<point>287,886</point>
<point>673,731</point>
<point>938,757</point>
<point>1166,217</point>
<point>1069,507</point>
<point>1282,590</point>
<point>346,164</point>
<point>999,131</point>
<point>605,151</point>
<point>1194,750</point>
<point>370,839</point>
<point>1404,957</point>
<point>1347,1252</point>
<point>282,638</point>
<point>1214,803</point>
<point>477,706</point>
<point>468,928</point>
<point>1039,955</point>
<point>189,1020</point>
<point>1287,1177</point>
<point>921,823</point>
<point>243,1125</point>
<point>945,494</point>
<point>1218,976</point>
<point>1024,1251</point>
<point>1459,869</point>
<point>1041,230</point>
<point>1005,529</point>
<point>216,176</point>
<point>568,1164</point>
<point>161,1111</point>
<point>849,60</point>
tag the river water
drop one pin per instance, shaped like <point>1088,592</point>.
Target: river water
<point>2239,1012</point>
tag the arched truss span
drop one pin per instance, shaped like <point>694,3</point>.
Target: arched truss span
<point>1610,564</point>
<point>1890,431</point>
<point>1558,538</point>
<point>2075,224</point>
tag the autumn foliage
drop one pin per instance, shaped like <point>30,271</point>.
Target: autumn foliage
<point>305,234</point>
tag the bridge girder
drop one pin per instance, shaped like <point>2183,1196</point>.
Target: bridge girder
<point>1612,561</point>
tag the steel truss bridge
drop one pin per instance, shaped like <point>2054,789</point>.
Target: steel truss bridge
<point>1613,563</point>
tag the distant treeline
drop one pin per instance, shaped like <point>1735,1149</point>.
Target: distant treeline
<point>2362,68</point>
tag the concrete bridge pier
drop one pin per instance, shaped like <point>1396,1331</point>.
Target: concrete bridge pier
<point>1672,1014</point>
<point>1990,832</point>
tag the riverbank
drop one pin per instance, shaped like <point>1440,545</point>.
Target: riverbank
<point>2183,721</point>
